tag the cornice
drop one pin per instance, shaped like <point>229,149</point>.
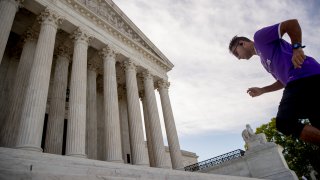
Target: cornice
<point>106,15</point>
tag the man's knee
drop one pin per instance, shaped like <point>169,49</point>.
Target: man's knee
<point>289,126</point>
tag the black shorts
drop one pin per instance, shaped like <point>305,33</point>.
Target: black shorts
<point>300,100</point>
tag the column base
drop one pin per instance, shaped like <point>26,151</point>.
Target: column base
<point>29,148</point>
<point>78,155</point>
<point>116,161</point>
<point>144,164</point>
<point>163,167</point>
<point>179,168</point>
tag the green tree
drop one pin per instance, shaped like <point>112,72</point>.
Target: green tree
<point>301,157</point>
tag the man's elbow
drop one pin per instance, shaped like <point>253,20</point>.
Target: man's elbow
<point>288,24</point>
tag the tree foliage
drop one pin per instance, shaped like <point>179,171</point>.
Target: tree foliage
<point>301,157</point>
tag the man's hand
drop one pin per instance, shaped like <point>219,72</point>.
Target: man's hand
<point>255,91</point>
<point>298,57</point>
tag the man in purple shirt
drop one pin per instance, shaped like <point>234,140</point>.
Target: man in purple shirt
<point>293,70</point>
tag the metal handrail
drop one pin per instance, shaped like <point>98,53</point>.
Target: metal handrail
<point>215,161</point>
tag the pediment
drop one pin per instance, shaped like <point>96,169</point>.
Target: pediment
<point>111,14</point>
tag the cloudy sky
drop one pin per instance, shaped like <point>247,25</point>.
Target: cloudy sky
<point>208,85</point>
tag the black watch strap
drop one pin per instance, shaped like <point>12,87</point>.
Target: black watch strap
<point>297,46</point>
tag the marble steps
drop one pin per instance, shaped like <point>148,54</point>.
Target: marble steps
<point>21,164</point>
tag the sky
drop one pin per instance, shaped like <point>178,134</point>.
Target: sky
<point>208,84</point>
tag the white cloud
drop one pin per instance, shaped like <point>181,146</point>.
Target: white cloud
<point>208,91</point>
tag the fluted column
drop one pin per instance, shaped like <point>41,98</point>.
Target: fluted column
<point>91,136</point>
<point>124,126</point>
<point>8,10</point>
<point>153,116</point>
<point>54,136</point>
<point>12,122</point>
<point>101,136</point>
<point>34,106</point>
<point>111,112</point>
<point>147,128</point>
<point>172,135</point>
<point>76,130</point>
<point>8,83</point>
<point>135,120</point>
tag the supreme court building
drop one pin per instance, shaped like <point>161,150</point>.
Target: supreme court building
<point>72,76</point>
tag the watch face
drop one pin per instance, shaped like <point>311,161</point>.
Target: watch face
<point>296,45</point>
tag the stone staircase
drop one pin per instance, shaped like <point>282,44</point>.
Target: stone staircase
<point>21,164</point>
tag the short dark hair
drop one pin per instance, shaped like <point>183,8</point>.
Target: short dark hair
<point>236,39</point>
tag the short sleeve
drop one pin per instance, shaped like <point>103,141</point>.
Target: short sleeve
<point>268,34</point>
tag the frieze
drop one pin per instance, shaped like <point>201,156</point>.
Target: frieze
<point>103,15</point>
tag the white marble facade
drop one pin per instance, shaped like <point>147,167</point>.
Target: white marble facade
<point>73,75</point>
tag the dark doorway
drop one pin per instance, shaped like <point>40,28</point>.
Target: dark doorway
<point>44,132</point>
<point>128,158</point>
<point>64,137</point>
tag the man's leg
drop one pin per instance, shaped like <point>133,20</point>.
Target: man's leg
<point>310,134</point>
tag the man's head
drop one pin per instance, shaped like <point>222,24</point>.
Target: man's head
<point>241,47</point>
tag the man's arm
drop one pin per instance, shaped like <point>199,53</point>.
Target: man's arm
<point>256,91</point>
<point>293,29</point>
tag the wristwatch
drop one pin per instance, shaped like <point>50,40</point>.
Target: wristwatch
<point>297,46</point>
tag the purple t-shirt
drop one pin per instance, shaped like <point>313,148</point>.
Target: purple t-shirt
<point>276,53</point>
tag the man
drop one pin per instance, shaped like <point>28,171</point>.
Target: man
<point>293,70</point>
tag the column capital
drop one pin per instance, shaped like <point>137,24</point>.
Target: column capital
<point>141,94</point>
<point>163,84</point>
<point>108,53</point>
<point>122,91</point>
<point>30,35</point>
<point>92,67</point>
<point>64,51</point>
<point>145,75</point>
<point>99,84</point>
<point>15,53</point>
<point>51,17</point>
<point>81,35</point>
<point>128,65</point>
<point>93,64</point>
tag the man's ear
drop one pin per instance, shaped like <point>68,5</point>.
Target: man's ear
<point>244,43</point>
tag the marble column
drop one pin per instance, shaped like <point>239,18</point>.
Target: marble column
<point>147,129</point>
<point>8,10</point>
<point>91,136</point>
<point>54,136</point>
<point>101,136</point>
<point>12,121</point>
<point>172,135</point>
<point>34,106</point>
<point>138,149</point>
<point>3,70</point>
<point>153,116</point>
<point>4,66</point>
<point>111,112</point>
<point>124,126</point>
<point>8,84</point>
<point>76,130</point>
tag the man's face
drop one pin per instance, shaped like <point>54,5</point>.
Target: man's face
<point>241,50</point>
